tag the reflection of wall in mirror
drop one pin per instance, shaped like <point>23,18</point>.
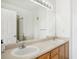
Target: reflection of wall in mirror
<point>8,26</point>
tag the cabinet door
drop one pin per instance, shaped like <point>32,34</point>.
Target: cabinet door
<point>54,54</point>
<point>67,51</point>
<point>46,56</point>
<point>61,52</point>
<point>55,57</point>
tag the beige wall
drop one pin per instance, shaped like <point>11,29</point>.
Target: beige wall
<point>66,22</point>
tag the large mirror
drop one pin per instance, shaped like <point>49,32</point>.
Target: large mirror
<point>37,22</point>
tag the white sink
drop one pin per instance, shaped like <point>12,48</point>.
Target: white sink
<point>27,51</point>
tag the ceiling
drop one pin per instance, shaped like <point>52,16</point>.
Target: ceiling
<point>24,3</point>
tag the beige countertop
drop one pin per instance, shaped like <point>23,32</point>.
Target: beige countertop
<point>44,46</point>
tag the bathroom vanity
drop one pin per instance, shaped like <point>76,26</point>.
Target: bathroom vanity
<point>48,49</point>
<point>60,52</point>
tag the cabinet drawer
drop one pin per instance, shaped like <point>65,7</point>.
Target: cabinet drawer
<point>54,52</point>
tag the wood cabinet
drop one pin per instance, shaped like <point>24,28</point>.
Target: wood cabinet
<point>61,52</point>
<point>54,54</point>
<point>67,51</point>
<point>55,57</point>
<point>45,56</point>
<point>64,51</point>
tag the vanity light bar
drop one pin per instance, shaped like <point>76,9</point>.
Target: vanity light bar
<point>43,3</point>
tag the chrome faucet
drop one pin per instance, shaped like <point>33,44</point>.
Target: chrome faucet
<point>21,45</point>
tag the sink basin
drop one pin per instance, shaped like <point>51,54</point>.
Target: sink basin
<point>27,51</point>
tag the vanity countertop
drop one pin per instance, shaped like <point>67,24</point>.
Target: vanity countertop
<point>44,46</point>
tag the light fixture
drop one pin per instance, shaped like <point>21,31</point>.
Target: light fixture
<point>43,3</point>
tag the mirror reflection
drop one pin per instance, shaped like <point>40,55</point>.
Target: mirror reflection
<point>34,20</point>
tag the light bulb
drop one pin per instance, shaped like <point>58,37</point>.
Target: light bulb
<point>43,3</point>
